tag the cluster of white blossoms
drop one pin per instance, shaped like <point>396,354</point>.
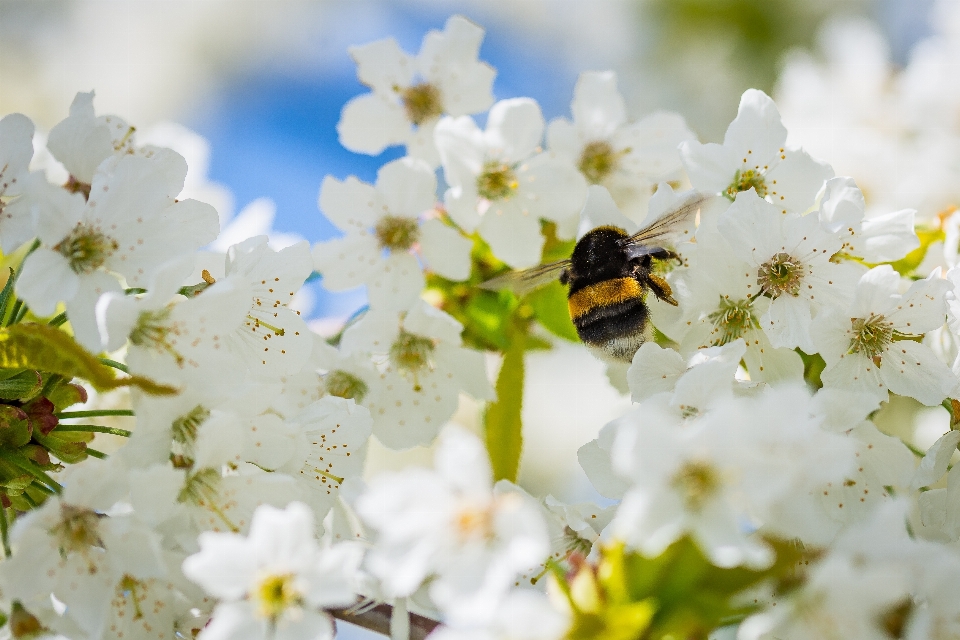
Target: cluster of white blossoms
<point>239,506</point>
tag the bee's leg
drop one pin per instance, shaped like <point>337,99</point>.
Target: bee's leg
<point>661,288</point>
<point>565,276</point>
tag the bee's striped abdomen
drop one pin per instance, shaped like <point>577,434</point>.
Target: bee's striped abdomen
<point>610,316</point>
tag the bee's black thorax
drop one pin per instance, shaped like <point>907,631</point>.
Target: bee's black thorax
<point>598,256</point>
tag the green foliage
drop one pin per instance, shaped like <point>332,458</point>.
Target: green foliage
<point>549,306</point>
<point>44,348</point>
<point>678,594</point>
<point>504,429</point>
<point>813,366</point>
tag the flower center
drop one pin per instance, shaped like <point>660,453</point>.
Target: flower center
<point>421,102</point>
<point>871,336</point>
<point>276,594</point>
<point>599,160</point>
<point>696,482</point>
<point>497,181</point>
<point>780,274</point>
<point>341,384</point>
<point>397,233</point>
<point>78,529</point>
<point>732,320</point>
<point>474,522</point>
<point>153,331</point>
<point>411,352</point>
<point>574,543</point>
<point>744,181</point>
<point>86,248</point>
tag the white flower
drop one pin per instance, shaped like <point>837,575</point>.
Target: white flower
<point>273,340</point>
<point>791,255</point>
<point>332,434</point>
<point>501,185</point>
<point>449,527</point>
<point>129,226</point>
<point>387,217</point>
<point>717,475</point>
<point>423,368</point>
<point>720,302</point>
<point>754,155</point>
<point>411,93</point>
<point>82,141</point>
<point>867,345</point>
<point>177,342</point>
<point>627,158</point>
<point>274,582</point>
<point>881,238</point>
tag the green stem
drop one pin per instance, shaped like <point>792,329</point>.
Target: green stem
<point>115,364</point>
<point>5,531</point>
<point>21,313</point>
<point>96,454</point>
<point>30,467</point>
<point>134,291</point>
<point>7,292</point>
<point>96,413</point>
<point>58,319</point>
<point>94,428</point>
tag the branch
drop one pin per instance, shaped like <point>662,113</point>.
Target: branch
<point>377,619</point>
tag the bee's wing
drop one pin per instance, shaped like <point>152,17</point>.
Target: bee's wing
<point>526,280</point>
<point>667,230</point>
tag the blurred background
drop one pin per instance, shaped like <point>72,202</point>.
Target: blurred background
<point>262,83</point>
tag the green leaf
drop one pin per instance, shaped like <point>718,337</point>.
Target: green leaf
<point>67,446</point>
<point>15,430</point>
<point>550,309</point>
<point>504,432</point>
<point>44,348</point>
<point>22,386</point>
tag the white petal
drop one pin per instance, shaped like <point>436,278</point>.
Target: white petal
<point>383,65</point>
<point>888,237</point>
<point>408,187</point>
<point>81,308</point>
<point>422,145</point>
<point>397,284</point>
<point>654,142</point>
<point>856,373</point>
<point>876,292</point>
<point>711,167</point>
<point>923,306</point>
<point>757,133</point>
<point>794,183</point>
<point>462,206</point>
<point>514,237</point>
<point>46,279</point>
<point>346,262</point>
<point>80,142</point>
<point>911,369</point>
<point>468,368</point>
<point>116,317</point>
<point>598,108</point>
<point>374,332</point>
<point>462,460</point>
<point>842,206</point>
<point>16,150</point>
<point>654,369</point>
<point>44,210</point>
<point>272,353</point>
<point>551,187</point>
<point>462,151</point>
<point>405,416</point>
<point>426,320</point>
<point>445,250</point>
<point>562,139</point>
<point>934,463</point>
<point>514,129</point>
<point>351,205</point>
<point>370,123</point>
<point>787,323</point>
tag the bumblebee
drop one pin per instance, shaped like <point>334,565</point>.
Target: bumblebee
<point>609,276</point>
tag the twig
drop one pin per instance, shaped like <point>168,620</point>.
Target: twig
<point>377,619</point>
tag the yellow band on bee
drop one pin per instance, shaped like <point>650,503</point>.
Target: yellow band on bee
<point>603,293</point>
